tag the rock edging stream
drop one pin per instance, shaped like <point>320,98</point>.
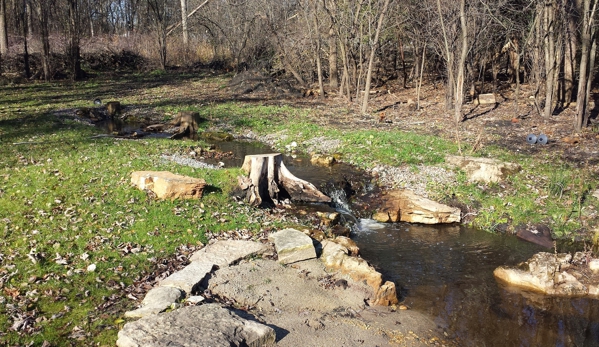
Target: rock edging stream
<point>300,303</point>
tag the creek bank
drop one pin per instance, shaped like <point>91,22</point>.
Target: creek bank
<point>303,303</point>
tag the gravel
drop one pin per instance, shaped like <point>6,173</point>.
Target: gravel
<point>414,178</point>
<point>188,161</point>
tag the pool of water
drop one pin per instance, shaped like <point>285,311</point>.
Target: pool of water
<point>447,273</point>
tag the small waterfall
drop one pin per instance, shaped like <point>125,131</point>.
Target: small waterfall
<point>340,201</point>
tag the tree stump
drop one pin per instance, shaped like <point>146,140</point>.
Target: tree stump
<point>270,181</point>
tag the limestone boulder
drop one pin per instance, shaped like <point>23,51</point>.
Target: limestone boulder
<point>167,185</point>
<point>157,300</point>
<point>483,169</point>
<point>550,274</point>
<point>188,278</point>
<point>406,206</point>
<point>348,243</point>
<point>485,99</point>
<point>292,246</point>
<point>207,325</point>
<point>336,257</point>
<point>322,159</point>
<point>386,295</point>
<point>227,252</point>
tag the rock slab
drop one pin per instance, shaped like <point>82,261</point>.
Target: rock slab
<point>292,246</point>
<point>227,252</point>
<point>188,278</point>
<point>157,300</point>
<point>167,185</point>
<point>485,99</point>
<point>335,256</point>
<point>406,206</point>
<point>200,326</point>
<point>547,273</point>
<point>483,169</point>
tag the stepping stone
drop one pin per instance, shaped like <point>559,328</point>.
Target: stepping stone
<point>225,253</point>
<point>189,277</point>
<point>157,300</point>
<point>203,326</point>
<point>292,246</point>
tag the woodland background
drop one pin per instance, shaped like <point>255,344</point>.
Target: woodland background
<point>342,46</point>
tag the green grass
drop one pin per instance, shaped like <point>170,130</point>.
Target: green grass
<point>65,196</point>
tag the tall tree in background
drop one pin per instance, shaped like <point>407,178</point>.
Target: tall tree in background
<point>587,61</point>
<point>184,22</point>
<point>373,49</point>
<point>3,29</point>
<point>25,28</point>
<point>41,8</point>
<point>158,11</point>
<point>73,48</point>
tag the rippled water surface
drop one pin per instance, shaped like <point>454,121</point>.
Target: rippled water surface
<point>447,272</point>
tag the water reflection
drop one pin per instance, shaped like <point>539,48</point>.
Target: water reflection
<point>447,272</point>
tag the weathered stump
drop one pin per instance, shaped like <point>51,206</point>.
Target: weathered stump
<point>270,181</point>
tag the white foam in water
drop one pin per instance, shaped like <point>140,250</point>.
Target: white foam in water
<point>340,199</point>
<point>368,225</point>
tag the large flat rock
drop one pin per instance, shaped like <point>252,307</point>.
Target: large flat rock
<point>271,287</point>
<point>405,206</point>
<point>228,252</point>
<point>167,185</point>
<point>483,169</point>
<point>188,278</point>
<point>293,246</point>
<point>157,300</point>
<point>199,326</point>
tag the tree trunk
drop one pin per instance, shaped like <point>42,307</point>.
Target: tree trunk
<point>184,22</point>
<point>270,182</point>
<point>550,66</point>
<point>27,70</point>
<point>333,70</point>
<point>586,38</point>
<point>459,86</point>
<point>317,50</point>
<point>403,62</point>
<point>3,29</point>
<point>73,45</point>
<point>420,77</point>
<point>42,14</point>
<point>372,54</point>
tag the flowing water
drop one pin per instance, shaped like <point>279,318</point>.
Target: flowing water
<point>447,272</point>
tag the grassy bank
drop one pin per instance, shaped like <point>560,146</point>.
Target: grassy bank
<point>66,202</point>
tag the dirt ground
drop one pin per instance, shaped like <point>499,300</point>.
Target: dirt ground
<point>309,307</point>
<point>505,124</point>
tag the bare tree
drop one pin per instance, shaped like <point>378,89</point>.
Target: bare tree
<point>372,53</point>
<point>3,29</point>
<point>587,56</point>
<point>73,48</point>
<point>184,22</point>
<point>159,13</point>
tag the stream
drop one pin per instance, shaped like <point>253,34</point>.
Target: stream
<point>446,272</point>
